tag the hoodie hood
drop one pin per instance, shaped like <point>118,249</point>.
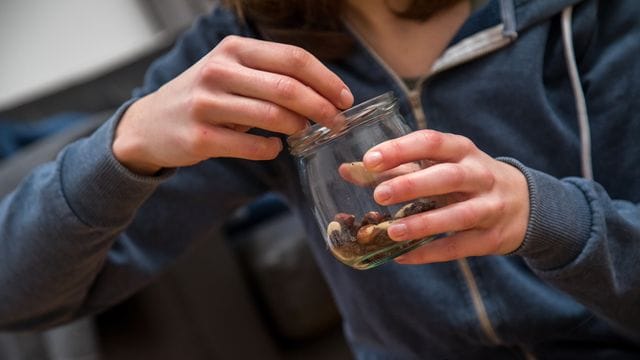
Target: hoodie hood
<point>514,15</point>
<point>524,13</point>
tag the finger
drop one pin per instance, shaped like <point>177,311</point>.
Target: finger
<point>456,246</point>
<point>419,145</point>
<point>279,89</point>
<point>249,113</point>
<point>439,179</point>
<point>454,217</point>
<point>217,141</point>
<point>356,173</point>
<point>299,64</point>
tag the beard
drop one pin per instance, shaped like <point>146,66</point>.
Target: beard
<point>421,10</point>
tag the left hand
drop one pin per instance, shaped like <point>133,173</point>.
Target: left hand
<point>490,211</point>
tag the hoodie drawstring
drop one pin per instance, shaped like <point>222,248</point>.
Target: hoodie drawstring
<point>581,103</point>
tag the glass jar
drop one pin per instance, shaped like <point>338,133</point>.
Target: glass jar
<point>341,190</point>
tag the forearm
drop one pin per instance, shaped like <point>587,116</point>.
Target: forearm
<point>585,244</point>
<point>57,227</point>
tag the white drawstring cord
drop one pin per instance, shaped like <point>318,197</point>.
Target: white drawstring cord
<point>581,104</point>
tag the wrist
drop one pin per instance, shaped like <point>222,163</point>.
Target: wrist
<point>520,212</point>
<point>129,145</point>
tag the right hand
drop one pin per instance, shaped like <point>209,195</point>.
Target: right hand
<point>207,110</point>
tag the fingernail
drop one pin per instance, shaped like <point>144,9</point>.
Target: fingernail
<point>397,231</point>
<point>382,193</point>
<point>401,259</point>
<point>372,159</point>
<point>346,98</point>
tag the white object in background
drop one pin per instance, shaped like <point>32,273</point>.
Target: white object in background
<point>46,45</point>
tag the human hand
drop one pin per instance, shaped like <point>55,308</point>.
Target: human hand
<point>490,208</point>
<point>206,111</point>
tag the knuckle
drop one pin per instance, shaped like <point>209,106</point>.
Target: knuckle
<point>486,177</point>
<point>468,217</point>
<point>285,88</point>
<point>417,227</point>
<point>292,126</point>
<point>197,106</point>
<point>277,119</point>
<point>214,71</point>
<point>466,144</point>
<point>270,113</point>
<point>421,226</point>
<point>298,57</point>
<point>432,138</point>
<point>325,112</point>
<point>456,175</point>
<point>403,186</point>
<point>263,149</point>
<point>297,125</point>
<point>498,207</point>
<point>395,149</point>
<point>230,42</point>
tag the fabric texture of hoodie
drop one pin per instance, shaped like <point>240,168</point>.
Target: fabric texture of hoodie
<point>82,233</point>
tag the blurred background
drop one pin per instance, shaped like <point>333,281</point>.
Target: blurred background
<point>252,291</point>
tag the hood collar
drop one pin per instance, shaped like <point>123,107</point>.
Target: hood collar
<point>525,13</point>
<point>514,15</point>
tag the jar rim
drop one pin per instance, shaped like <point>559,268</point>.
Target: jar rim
<point>308,139</point>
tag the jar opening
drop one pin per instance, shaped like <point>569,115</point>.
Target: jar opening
<point>308,139</point>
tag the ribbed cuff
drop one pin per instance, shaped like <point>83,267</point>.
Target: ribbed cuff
<point>100,190</point>
<point>559,220</point>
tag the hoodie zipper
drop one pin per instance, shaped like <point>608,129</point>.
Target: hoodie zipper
<point>414,95</point>
<point>473,47</point>
<point>478,304</point>
<point>415,98</point>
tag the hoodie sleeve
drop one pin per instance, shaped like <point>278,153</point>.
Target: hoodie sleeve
<point>583,235</point>
<point>82,233</point>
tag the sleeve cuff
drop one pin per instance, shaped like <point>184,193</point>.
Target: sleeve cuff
<point>100,190</point>
<point>559,220</point>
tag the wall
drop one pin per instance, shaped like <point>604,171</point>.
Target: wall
<point>46,45</point>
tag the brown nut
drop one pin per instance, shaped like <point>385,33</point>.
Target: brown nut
<point>338,234</point>
<point>370,232</point>
<point>366,234</point>
<point>416,207</point>
<point>372,217</point>
<point>345,219</point>
<point>333,226</point>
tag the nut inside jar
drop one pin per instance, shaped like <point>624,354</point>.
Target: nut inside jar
<point>340,188</point>
<point>363,243</point>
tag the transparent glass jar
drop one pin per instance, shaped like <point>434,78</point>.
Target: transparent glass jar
<point>341,189</point>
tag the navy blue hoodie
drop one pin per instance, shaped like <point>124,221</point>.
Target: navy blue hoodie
<point>83,233</point>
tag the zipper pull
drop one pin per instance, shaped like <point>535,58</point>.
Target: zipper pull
<point>416,108</point>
